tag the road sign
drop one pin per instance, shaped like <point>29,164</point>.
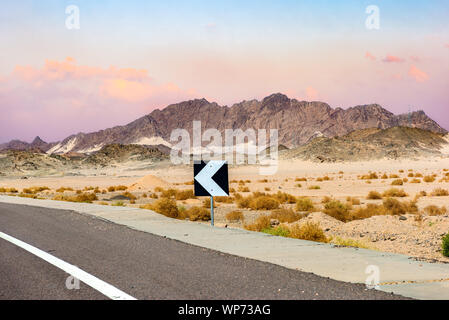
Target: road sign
<point>211,178</point>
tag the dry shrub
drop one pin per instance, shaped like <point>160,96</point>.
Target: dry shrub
<point>261,223</point>
<point>415,180</point>
<point>384,176</point>
<point>394,193</point>
<point>374,195</point>
<point>267,189</point>
<point>189,183</point>
<point>429,179</point>
<point>235,216</point>
<point>349,243</point>
<point>304,204</point>
<point>368,211</point>
<point>264,203</point>
<point>164,206</point>
<point>314,187</point>
<point>117,188</point>
<point>337,210</point>
<point>28,195</point>
<point>395,207</point>
<point>353,201</point>
<point>439,192</point>
<point>284,215</point>
<point>263,181</point>
<point>8,190</point>
<point>397,182</point>
<point>423,193</point>
<point>435,210</point>
<point>401,171</point>
<point>319,179</point>
<point>370,176</point>
<point>184,195</point>
<point>197,214</point>
<point>410,175</point>
<point>326,199</point>
<point>81,197</point>
<point>34,190</point>
<point>243,189</point>
<point>63,189</point>
<point>129,195</point>
<point>395,176</point>
<point>169,193</point>
<point>418,175</point>
<point>283,197</point>
<point>300,179</point>
<point>309,231</point>
<point>224,199</point>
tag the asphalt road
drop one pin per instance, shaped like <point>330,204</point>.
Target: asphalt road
<point>143,265</point>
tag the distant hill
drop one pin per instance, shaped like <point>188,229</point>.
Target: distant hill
<point>369,144</point>
<point>298,122</point>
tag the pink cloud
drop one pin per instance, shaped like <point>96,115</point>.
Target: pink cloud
<point>418,75</point>
<point>61,98</point>
<point>447,45</point>
<point>392,59</point>
<point>368,55</point>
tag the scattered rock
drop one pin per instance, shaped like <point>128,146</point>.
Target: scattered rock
<point>274,222</point>
<point>402,218</point>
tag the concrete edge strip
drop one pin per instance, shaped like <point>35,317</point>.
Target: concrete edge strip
<point>92,281</point>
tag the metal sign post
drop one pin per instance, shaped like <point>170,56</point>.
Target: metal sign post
<point>212,211</point>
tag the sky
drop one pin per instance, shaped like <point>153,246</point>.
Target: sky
<point>128,58</point>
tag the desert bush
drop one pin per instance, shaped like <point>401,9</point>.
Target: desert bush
<point>395,207</point>
<point>384,176</point>
<point>298,185</point>
<point>235,216</point>
<point>264,203</point>
<point>445,245</point>
<point>129,195</point>
<point>169,193</point>
<point>367,212</point>
<point>353,201</point>
<point>261,223</point>
<point>314,187</point>
<point>433,210</point>
<point>81,197</point>
<point>319,179</point>
<point>278,231</point>
<point>284,215</point>
<point>349,243</point>
<point>27,195</point>
<point>263,181</point>
<point>189,183</point>
<point>164,206</point>
<point>197,214</point>
<point>418,175</point>
<point>337,210</point>
<point>439,192</point>
<point>267,189</point>
<point>326,199</point>
<point>410,175</point>
<point>304,204</point>
<point>283,197</point>
<point>243,202</point>
<point>118,204</point>
<point>116,188</point>
<point>394,176</point>
<point>300,179</point>
<point>34,190</point>
<point>415,180</point>
<point>309,231</point>
<point>224,199</point>
<point>370,176</point>
<point>243,189</point>
<point>184,195</point>
<point>374,195</point>
<point>63,189</point>
<point>394,193</point>
<point>401,171</point>
<point>397,182</point>
<point>429,179</point>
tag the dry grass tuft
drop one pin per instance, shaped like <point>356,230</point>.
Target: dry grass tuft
<point>397,182</point>
<point>337,210</point>
<point>429,179</point>
<point>81,197</point>
<point>395,193</point>
<point>309,231</point>
<point>433,210</point>
<point>304,205</point>
<point>164,206</point>
<point>286,215</point>
<point>439,192</point>
<point>235,216</point>
<point>374,195</point>
<point>261,223</point>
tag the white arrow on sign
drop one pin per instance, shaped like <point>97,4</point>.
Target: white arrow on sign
<point>204,178</point>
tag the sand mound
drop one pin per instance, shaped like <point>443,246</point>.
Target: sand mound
<point>148,182</point>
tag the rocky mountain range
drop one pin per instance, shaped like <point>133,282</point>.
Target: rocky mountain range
<point>298,122</point>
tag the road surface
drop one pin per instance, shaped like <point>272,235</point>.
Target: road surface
<point>143,265</point>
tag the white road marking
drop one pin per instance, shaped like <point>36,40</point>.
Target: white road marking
<point>99,285</point>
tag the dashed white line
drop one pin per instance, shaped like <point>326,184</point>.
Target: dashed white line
<point>99,285</point>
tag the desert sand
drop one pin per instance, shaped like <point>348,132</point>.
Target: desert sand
<point>406,234</point>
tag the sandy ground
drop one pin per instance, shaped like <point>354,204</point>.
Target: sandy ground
<point>421,239</point>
